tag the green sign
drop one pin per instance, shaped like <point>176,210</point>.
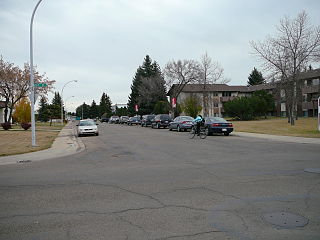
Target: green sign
<point>40,84</point>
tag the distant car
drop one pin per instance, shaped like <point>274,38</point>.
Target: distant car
<point>114,119</point>
<point>181,123</point>
<point>87,127</point>
<point>134,121</point>
<point>104,119</point>
<point>123,119</point>
<point>147,120</point>
<point>218,125</point>
<point>161,120</point>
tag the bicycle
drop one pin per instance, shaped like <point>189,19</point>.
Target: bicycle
<point>193,132</point>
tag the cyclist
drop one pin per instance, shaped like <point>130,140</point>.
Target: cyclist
<point>198,120</point>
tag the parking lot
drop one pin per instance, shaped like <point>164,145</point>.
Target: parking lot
<point>142,183</point>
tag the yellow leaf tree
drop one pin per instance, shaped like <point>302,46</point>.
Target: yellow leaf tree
<point>22,113</point>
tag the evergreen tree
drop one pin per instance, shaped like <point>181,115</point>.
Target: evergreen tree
<point>94,110</point>
<point>255,78</point>
<point>105,105</point>
<point>43,114</point>
<point>83,111</point>
<point>56,99</point>
<point>148,88</point>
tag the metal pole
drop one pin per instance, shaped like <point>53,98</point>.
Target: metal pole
<point>62,99</point>
<point>65,115</point>
<point>33,124</point>
<point>319,113</point>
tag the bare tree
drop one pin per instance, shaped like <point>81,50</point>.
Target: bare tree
<point>180,73</point>
<point>210,72</point>
<point>284,56</point>
<point>15,84</point>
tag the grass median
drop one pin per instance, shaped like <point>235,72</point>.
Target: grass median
<point>18,141</point>
<point>304,127</point>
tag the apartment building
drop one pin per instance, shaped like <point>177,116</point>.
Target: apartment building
<point>218,94</point>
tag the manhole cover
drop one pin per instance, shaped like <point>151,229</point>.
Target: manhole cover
<point>312,170</point>
<point>285,219</point>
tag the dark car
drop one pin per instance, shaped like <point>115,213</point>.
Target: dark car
<point>147,120</point>
<point>134,121</point>
<point>104,119</point>
<point>218,125</point>
<point>181,123</point>
<point>161,120</point>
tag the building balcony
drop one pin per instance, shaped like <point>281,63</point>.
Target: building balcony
<point>309,105</point>
<point>226,99</point>
<point>311,89</point>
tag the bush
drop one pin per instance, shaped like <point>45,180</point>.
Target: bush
<point>6,126</point>
<point>25,126</point>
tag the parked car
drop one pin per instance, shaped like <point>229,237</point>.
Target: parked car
<point>123,119</point>
<point>161,120</point>
<point>218,125</point>
<point>134,121</point>
<point>181,123</point>
<point>87,127</point>
<point>147,120</point>
<point>114,119</point>
<point>104,119</point>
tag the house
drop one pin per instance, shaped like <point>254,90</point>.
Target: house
<point>218,94</point>
<point>2,106</point>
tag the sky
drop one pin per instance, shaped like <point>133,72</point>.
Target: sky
<point>101,43</point>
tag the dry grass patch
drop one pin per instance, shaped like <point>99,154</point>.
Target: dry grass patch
<point>304,127</point>
<point>17,141</point>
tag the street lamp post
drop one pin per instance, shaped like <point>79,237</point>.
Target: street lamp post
<point>62,98</point>
<point>32,98</point>
<point>65,103</point>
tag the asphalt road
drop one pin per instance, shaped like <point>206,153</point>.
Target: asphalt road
<point>143,183</point>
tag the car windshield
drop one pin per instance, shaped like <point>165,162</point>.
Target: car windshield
<point>150,117</point>
<point>186,118</point>
<point>165,117</point>
<point>135,118</point>
<point>217,119</point>
<point>87,123</point>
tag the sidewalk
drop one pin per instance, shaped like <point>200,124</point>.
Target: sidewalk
<point>290,139</point>
<point>65,144</point>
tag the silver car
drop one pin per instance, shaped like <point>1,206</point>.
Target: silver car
<point>87,127</point>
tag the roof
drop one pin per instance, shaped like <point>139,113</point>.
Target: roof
<point>309,74</point>
<point>212,88</point>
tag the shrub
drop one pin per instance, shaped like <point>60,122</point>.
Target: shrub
<point>6,126</point>
<point>25,126</point>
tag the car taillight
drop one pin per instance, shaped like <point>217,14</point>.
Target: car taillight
<point>183,122</point>
<point>230,125</point>
<point>216,124</point>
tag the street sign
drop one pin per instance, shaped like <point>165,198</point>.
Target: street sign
<point>174,102</point>
<point>40,84</point>
<point>136,108</point>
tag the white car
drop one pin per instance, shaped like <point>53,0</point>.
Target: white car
<point>87,127</point>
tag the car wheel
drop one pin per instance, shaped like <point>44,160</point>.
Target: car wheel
<point>226,134</point>
<point>178,129</point>
<point>158,125</point>
<point>170,129</point>
<point>208,132</point>
<point>79,135</point>
<point>97,134</point>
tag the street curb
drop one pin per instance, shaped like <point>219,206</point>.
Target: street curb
<point>66,143</point>
<point>289,139</point>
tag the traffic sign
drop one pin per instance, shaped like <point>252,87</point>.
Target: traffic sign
<point>40,84</point>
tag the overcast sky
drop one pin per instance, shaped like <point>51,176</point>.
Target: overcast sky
<point>101,43</point>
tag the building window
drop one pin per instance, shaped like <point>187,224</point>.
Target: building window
<point>226,94</point>
<point>215,104</point>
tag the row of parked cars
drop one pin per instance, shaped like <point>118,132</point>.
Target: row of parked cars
<point>180,123</point>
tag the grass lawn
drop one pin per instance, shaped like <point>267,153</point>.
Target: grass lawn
<point>17,140</point>
<point>304,127</point>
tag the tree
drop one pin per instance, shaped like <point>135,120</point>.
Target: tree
<point>57,99</point>
<point>147,75</point>
<point>264,103</point>
<point>287,54</point>
<point>161,107</point>
<point>83,111</point>
<point>105,105</point>
<point>191,106</point>
<point>255,78</point>
<point>43,110</point>
<point>22,112</point>
<point>180,73</point>
<point>15,84</point>
<point>242,108</point>
<point>123,111</point>
<point>209,72</point>
<point>94,110</point>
